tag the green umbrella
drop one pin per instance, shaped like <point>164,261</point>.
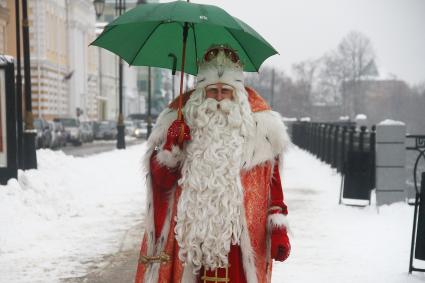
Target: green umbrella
<point>155,34</point>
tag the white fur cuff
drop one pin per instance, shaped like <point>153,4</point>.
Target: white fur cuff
<point>278,220</point>
<point>170,158</point>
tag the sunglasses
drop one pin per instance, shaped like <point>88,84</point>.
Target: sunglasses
<point>229,53</point>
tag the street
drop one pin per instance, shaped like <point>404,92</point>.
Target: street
<point>120,266</point>
<point>95,147</point>
<point>117,267</point>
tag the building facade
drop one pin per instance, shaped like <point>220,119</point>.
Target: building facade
<point>108,81</point>
<point>70,78</point>
<point>4,19</point>
<point>133,100</point>
<point>63,68</point>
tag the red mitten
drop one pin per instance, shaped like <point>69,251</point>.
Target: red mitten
<point>280,245</point>
<point>163,177</point>
<point>174,132</point>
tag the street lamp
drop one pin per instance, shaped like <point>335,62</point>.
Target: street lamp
<point>20,137</point>
<point>30,157</point>
<point>120,7</point>
<point>99,6</point>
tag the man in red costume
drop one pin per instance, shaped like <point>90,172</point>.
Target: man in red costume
<point>215,209</point>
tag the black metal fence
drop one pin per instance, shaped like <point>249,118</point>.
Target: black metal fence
<point>417,249</point>
<point>345,147</point>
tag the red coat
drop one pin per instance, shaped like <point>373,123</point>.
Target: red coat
<point>250,263</point>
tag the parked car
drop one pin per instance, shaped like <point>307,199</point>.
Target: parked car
<point>44,134</point>
<point>72,127</point>
<point>86,132</point>
<point>107,131</point>
<point>59,135</point>
<point>141,129</point>
<point>137,116</point>
<point>129,127</point>
<point>113,125</point>
<point>142,116</point>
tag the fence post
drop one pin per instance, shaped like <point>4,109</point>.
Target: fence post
<point>335,149</point>
<point>316,139</point>
<point>319,139</point>
<point>351,138</point>
<point>322,141</point>
<point>325,143</point>
<point>329,144</point>
<point>372,146</point>
<point>390,162</point>
<point>361,141</point>
<point>343,149</point>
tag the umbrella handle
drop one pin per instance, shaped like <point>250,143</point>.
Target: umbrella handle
<point>185,31</point>
<point>180,114</point>
<point>172,55</point>
<point>181,136</point>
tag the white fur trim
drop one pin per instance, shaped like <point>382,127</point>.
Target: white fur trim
<point>220,70</point>
<point>278,220</point>
<point>155,248</point>
<point>170,158</point>
<point>188,275</point>
<point>248,258</point>
<point>269,140</point>
<point>159,132</point>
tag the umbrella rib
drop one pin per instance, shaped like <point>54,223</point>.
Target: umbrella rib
<point>149,36</point>
<point>243,49</point>
<point>196,48</point>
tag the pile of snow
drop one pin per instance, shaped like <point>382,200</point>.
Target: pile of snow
<point>389,122</point>
<point>338,243</point>
<point>289,119</point>
<point>344,118</point>
<point>305,119</point>
<point>68,213</point>
<point>361,117</point>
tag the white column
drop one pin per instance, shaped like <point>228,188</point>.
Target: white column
<point>390,162</point>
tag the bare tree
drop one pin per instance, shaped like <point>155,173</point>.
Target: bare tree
<point>342,69</point>
<point>305,73</point>
<point>357,56</point>
<point>331,76</point>
<point>357,59</point>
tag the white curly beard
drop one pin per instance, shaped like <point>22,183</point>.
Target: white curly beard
<point>210,206</point>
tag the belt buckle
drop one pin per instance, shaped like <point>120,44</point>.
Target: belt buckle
<point>215,279</point>
<point>162,258</point>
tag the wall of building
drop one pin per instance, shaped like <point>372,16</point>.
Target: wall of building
<point>4,18</point>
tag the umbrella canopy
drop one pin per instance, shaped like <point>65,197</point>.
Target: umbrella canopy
<point>149,33</point>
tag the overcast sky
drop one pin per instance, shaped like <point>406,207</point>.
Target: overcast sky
<point>303,29</point>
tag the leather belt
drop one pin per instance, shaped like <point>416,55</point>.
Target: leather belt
<point>162,258</point>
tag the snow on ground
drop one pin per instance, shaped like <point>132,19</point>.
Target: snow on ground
<point>57,221</point>
<point>63,218</point>
<point>337,243</point>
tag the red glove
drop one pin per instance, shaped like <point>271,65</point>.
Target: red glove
<point>174,132</point>
<point>280,245</point>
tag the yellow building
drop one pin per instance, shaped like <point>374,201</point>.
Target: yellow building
<point>63,68</point>
<point>4,19</point>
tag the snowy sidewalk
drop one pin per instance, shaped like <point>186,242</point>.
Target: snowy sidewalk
<point>70,215</point>
<point>337,243</point>
<point>75,216</point>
